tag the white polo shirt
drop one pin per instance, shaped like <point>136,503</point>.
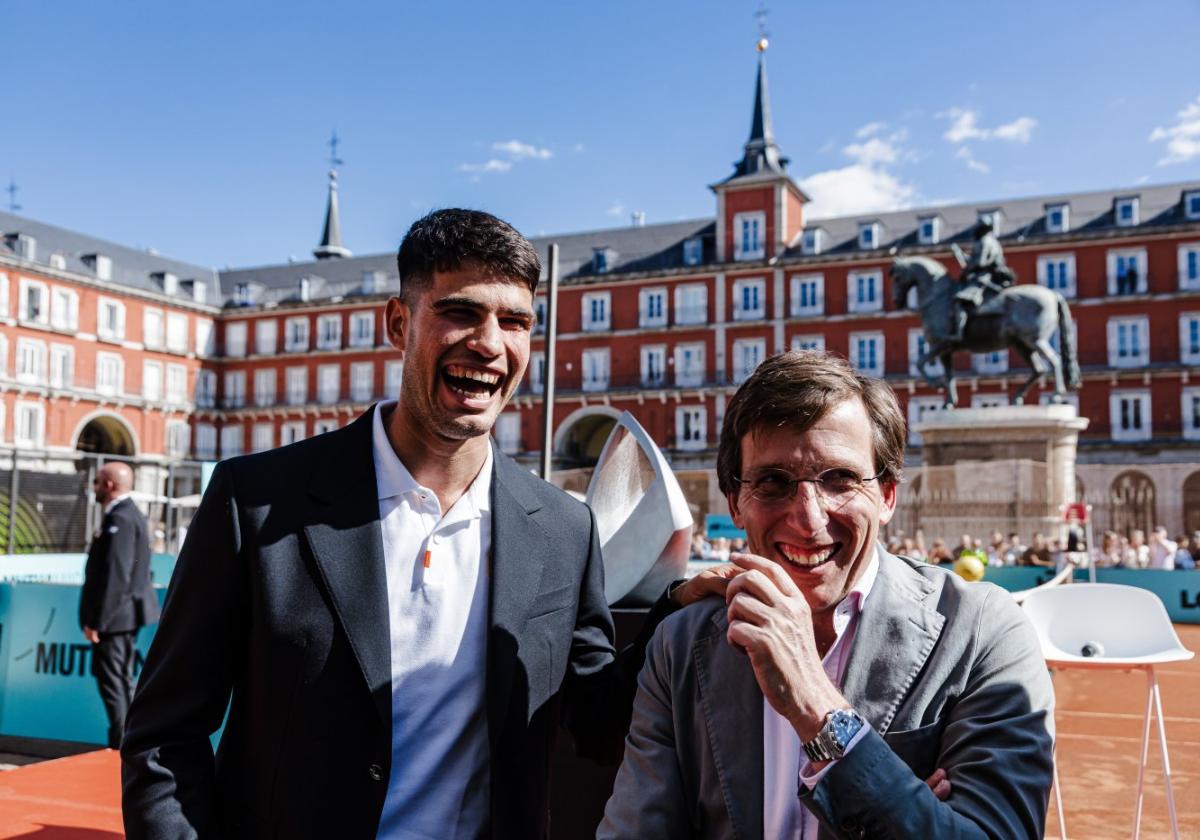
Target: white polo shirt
<point>437,581</point>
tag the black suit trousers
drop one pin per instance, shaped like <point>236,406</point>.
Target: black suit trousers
<point>112,666</point>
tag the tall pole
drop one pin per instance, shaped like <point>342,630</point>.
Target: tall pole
<point>550,354</point>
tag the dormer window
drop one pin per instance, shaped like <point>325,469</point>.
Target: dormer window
<point>168,281</point>
<point>603,260</point>
<point>995,217</point>
<point>693,251</point>
<point>372,282</point>
<point>868,235</point>
<point>1125,211</point>
<point>199,291</point>
<point>23,245</point>
<point>929,230</point>
<point>1191,204</point>
<point>813,241</point>
<point>241,294</point>
<point>100,264</point>
<point>58,261</point>
<point>305,289</point>
<point>750,236</point>
<point>1058,218</point>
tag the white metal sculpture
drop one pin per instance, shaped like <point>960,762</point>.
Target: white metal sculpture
<point>642,516</point>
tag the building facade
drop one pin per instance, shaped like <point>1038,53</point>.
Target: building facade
<point>663,321</point>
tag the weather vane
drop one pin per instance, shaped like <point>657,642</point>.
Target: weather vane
<point>12,189</point>
<point>761,15</point>
<point>334,160</point>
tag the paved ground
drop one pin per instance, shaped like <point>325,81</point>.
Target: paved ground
<point>1099,722</point>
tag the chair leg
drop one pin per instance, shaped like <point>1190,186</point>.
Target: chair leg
<point>1137,808</point>
<point>1162,740</point>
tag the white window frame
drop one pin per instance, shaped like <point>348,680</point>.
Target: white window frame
<point>811,341</point>
<point>991,400</point>
<point>205,388</point>
<point>262,437</point>
<point>43,314</point>
<point>297,334</point>
<point>740,287</point>
<point>1186,354</point>
<point>689,311</point>
<point>3,299</point>
<point>539,315</point>
<point>64,309</point>
<point>205,442</point>
<point>1191,204</point>
<point>868,231</point>
<point>204,338</point>
<point>994,217</point>
<point>177,332</point>
<point>362,381</point>
<point>393,377</point>
<point>324,424</point>
<point>62,366</point>
<point>153,328</point>
<point>1131,201</point>
<point>152,381</point>
<point>3,362</point>
<point>266,336</point>
<point>691,427</point>
<point>329,331</point>
<point>291,432</point>
<point>1064,225</point>
<point>535,373</point>
<point>880,349</point>
<point>1137,327</point>
<point>296,385</point>
<point>265,384</point>
<point>177,438</point>
<point>1065,260</point>
<point>593,304</point>
<point>103,331</point>
<point>235,339</point>
<point>916,343</point>
<point>329,384</point>
<point>232,440</point>
<point>853,303</point>
<point>30,363</point>
<point>749,235</point>
<point>1187,283</point>
<point>799,306</point>
<point>117,363</point>
<point>744,350</point>
<point>918,410</point>
<point>1113,258</point>
<point>812,241</point>
<point>693,251</point>
<point>934,235</point>
<point>647,353</point>
<point>993,362</point>
<point>690,376</point>
<point>36,410</point>
<point>175,384</point>
<point>1114,413</point>
<point>358,336</point>
<point>234,390</point>
<point>595,369</point>
<point>1189,416</point>
<point>646,316</point>
<point>507,432</point>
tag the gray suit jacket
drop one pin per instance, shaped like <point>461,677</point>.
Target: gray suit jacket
<point>948,674</point>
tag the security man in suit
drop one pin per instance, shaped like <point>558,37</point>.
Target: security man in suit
<point>117,597</point>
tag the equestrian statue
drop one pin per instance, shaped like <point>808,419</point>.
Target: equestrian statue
<point>983,311</point>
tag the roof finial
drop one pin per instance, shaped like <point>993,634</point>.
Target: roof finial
<point>761,14</point>
<point>331,238</point>
<point>12,189</point>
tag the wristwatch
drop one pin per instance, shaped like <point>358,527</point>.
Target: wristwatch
<point>840,726</point>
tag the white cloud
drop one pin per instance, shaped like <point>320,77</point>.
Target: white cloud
<point>520,151</point>
<point>964,126</point>
<point>870,128</point>
<point>857,188</point>
<point>874,151</point>
<point>492,165</point>
<point>617,209</point>
<point>964,153</point>
<point>1182,138</point>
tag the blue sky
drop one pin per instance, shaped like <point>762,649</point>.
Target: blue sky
<point>200,129</point>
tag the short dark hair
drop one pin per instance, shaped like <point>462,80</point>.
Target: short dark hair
<point>446,240</point>
<point>795,390</point>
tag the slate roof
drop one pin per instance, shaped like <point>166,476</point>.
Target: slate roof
<point>130,267</point>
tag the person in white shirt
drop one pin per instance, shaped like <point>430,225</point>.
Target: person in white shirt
<point>1161,550</point>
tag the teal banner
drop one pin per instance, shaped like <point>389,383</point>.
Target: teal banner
<point>1178,590</point>
<point>719,525</point>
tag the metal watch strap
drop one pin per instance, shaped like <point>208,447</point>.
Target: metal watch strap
<point>826,746</point>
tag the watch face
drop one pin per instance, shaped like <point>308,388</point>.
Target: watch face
<point>843,725</point>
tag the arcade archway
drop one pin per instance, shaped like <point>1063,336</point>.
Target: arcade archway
<point>580,439</point>
<point>1133,503</point>
<point>106,434</point>
<point>1191,503</point>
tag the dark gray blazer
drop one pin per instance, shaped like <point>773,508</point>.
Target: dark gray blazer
<point>278,611</point>
<point>117,595</point>
<point>949,675</point>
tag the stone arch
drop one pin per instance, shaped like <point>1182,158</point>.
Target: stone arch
<point>1191,503</point>
<point>581,436</point>
<point>1132,496</point>
<point>105,433</point>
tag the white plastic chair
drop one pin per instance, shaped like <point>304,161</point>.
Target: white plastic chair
<point>1123,628</point>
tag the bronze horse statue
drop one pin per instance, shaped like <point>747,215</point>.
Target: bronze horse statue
<point>1024,317</point>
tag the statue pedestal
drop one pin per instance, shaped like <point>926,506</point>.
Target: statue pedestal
<point>1002,469</point>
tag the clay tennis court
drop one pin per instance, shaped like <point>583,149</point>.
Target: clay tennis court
<point>1099,723</point>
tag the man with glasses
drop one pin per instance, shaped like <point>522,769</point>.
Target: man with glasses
<point>837,690</point>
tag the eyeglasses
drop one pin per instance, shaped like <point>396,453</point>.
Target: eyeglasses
<point>775,486</point>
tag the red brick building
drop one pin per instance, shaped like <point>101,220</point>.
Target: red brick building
<point>663,321</point>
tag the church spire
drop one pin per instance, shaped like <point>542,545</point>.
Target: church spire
<point>761,153</point>
<point>331,239</point>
